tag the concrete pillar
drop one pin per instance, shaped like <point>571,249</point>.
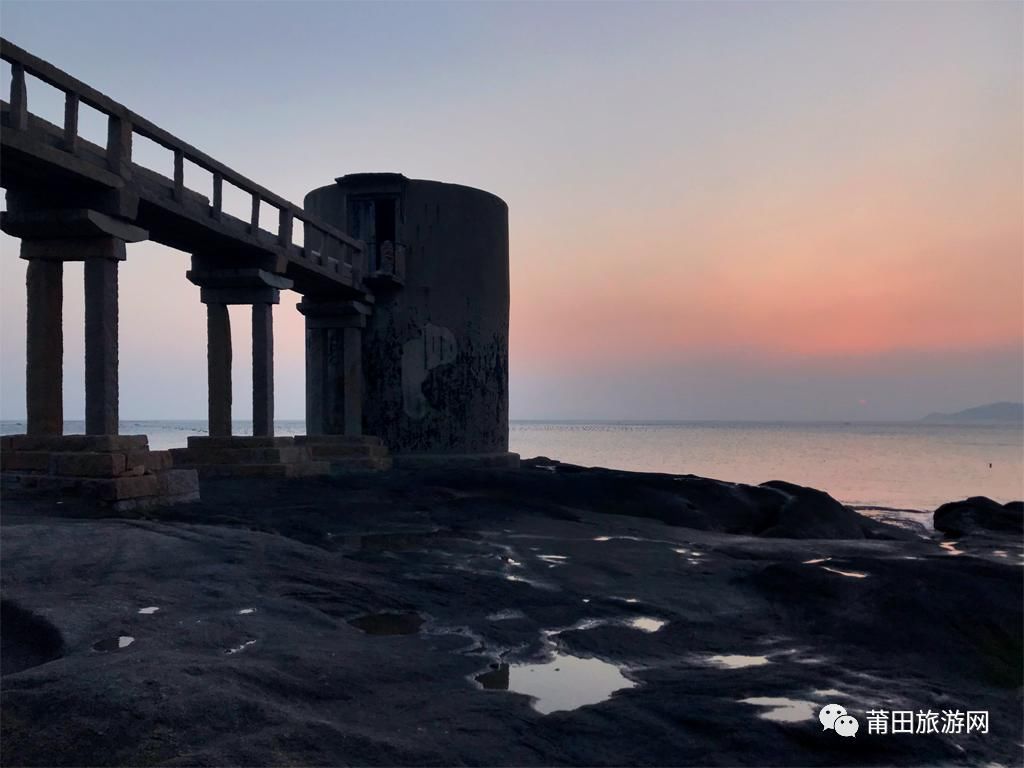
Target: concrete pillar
<point>334,366</point>
<point>263,369</point>
<point>343,379</point>
<point>44,374</point>
<point>315,352</point>
<point>218,368</point>
<point>101,395</point>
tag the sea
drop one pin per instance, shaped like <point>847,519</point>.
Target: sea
<point>912,466</point>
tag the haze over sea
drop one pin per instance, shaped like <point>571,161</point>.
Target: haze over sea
<point>900,465</point>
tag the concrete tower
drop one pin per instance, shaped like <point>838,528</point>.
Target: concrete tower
<point>435,346</point>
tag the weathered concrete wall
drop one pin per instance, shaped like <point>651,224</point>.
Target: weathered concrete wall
<point>435,349</point>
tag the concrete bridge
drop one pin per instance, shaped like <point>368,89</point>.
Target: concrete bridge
<point>73,200</point>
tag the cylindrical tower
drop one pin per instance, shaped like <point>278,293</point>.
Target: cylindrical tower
<point>435,346</point>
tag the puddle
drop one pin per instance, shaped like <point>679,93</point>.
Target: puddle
<point>246,611</point>
<point>647,623</point>
<point>950,546</point>
<point>817,560</point>
<point>619,538</point>
<point>1000,553</point>
<point>507,615</point>
<point>561,684</point>
<point>626,599</point>
<point>388,623</point>
<point>149,610</point>
<point>114,643</point>
<point>553,560</point>
<point>783,710</point>
<point>242,647</point>
<point>737,661</point>
<point>830,693</point>
<point>851,574</point>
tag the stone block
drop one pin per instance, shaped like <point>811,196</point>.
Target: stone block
<point>87,464</point>
<point>241,441</point>
<point>150,461</point>
<point>118,488</point>
<point>178,482</point>
<point>348,451</point>
<point>30,461</point>
<point>360,464</point>
<point>83,443</point>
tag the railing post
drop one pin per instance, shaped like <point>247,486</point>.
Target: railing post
<point>19,98</point>
<point>284,233</point>
<point>218,195</point>
<point>254,220</point>
<point>179,175</point>
<point>119,145</point>
<point>71,122</point>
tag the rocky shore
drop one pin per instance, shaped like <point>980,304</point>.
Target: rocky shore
<point>550,615</point>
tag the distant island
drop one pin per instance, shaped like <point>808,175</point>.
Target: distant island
<point>993,412</point>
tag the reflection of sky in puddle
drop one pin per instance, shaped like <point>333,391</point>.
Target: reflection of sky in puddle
<point>148,610</point>
<point>950,546</point>
<point>553,560</point>
<point>783,710</point>
<point>829,693</point>
<point>563,683</point>
<point>851,574</point>
<point>817,560</point>
<point>506,615</point>
<point>646,623</point>
<point>737,661</point>
<point>620,538</point>
<point>114,643</point>
<point>246,611</point>
<point>239,648</point>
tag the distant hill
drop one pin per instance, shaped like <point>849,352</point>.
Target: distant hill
<point>1012,413</point>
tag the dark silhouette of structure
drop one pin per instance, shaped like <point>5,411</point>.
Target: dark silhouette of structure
<point>406,328</point>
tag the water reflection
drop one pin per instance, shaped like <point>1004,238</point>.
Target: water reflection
<point>114,643</point>
<point>736,661</point>
<point>646,623</point>
<point>564,683</point>
<point>783,710</point>
<point>850,574</point>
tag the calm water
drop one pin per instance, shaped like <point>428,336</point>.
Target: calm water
<point>901,465</point>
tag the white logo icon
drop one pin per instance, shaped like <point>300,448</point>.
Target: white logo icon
<point>829,714</point>
<point>834,717</point>
<point>847,725</point>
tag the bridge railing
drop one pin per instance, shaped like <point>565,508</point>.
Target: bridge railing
<point>329,247</point>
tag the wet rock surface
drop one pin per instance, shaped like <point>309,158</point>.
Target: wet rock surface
<point>980,515</point>
<point>391,620</point>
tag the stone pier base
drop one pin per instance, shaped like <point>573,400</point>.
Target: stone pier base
<point>242,456</point>
<point>117,471</point>
<point>348,453</point>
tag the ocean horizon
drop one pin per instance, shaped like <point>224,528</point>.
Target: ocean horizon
<point>909,466</point>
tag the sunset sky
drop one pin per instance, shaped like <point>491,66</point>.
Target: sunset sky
<point>717,211</point>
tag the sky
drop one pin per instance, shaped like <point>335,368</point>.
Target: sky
<point>734,210</point>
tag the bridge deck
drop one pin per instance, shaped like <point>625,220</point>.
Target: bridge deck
<point>34,151</point>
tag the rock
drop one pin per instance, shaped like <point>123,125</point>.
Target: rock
<point>979,514</point>
<point>807,513</point>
